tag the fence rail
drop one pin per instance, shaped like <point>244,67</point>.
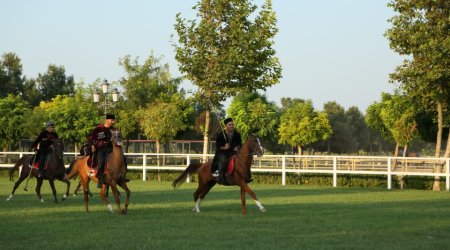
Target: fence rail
<point>284,164</point>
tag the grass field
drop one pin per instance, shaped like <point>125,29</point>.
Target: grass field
<point>297,217</point>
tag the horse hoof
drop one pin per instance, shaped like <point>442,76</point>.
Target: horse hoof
<point>123,211</point>
<point>42,201</point>
<point>263,210</point>
<point>64,197</point>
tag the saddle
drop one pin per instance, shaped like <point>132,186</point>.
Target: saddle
<point>222,179</point>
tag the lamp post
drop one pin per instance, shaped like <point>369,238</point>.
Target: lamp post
<point>105,90</point>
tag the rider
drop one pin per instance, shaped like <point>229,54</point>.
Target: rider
<point>43,144</point>
<point>100,141</point>
<point>228,142</point>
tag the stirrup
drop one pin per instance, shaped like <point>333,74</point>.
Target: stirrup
<point>216,174</point>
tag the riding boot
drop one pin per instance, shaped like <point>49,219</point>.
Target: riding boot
<point>100,177</point>
<point>40,171</point>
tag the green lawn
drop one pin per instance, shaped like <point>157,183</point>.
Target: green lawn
<point>297,217</point>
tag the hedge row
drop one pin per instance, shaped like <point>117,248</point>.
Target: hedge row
<point>410,182</point>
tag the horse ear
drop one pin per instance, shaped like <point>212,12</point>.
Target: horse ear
<point>254,132</point>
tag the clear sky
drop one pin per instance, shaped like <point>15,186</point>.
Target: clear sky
<point>332,50</point>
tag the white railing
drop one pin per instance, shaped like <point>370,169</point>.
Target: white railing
<point>284,164</point>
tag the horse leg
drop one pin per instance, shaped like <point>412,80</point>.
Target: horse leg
<point>52,185</point>
<point>247,189</point>
<point>22,177</point>
<point>84,182</point>
<point>105,198</point>
<point>116,197</point>
<point>68,188</point>
<point>38,188</point>
<point>124,186</point>
<point>200,193</point>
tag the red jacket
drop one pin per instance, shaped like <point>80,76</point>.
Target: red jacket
<point>100,136</point>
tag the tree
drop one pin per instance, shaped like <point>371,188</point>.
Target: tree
<point>342,139</point>
<point>55,82</point>
<point>253,112</point>
<point>421,32</point>
<point>161,121</point>
<point>11,81</point>
<point>361,131</point>
<point>12,110</point>
<point>75,116</point>
<point>226,50</point>
<point>148,82</point>
<point>301,125</point>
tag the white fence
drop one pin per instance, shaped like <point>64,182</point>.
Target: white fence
<point>284,164</point>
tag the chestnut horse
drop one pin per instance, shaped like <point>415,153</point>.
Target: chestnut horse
<point>55,169</point>
<point>115,175</point>
<point>242,167</point>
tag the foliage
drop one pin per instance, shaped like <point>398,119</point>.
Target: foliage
<point>12,111</point>
<point>342,139</point>
<point>253,112</point>
<point>55,82</point>
<point>398,115</point>
<point>74,117</point>
<point>228,48</point>
<point>161,121</point>
<point>301,125</point>
<point>11,81</point>
<point>148,82</point>
<point>420,31</point>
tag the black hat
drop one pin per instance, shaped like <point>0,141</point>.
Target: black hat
<point>110,116</point>
<point>227,121</point>
<point>50,124</point>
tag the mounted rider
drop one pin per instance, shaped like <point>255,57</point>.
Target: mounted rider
<point>228,143</point>
<point>43,145</point>
<point>101,145</point>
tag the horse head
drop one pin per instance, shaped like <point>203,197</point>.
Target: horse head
<point>58,148</point>
<point>116,138</point>
<point>255,145</point>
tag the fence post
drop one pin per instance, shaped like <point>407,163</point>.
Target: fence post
<point>334,171</point>
<point>188,162</point>
<point>447,176</point>
<point>283,170</point>
<point>389,177</point>
<point>144,167</point>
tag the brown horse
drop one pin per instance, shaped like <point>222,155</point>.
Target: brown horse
<point>55,170</point>
<point>115,175</point>
<point>239,177</point>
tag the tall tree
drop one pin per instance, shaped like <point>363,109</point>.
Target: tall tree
<point>361,132</point>
<point>11,80</point>
<point>12,110</point>
<point>55,82</point>
<point>301,125</point>
<point>342,140</point>
<point>421,32</point>
<point>227,49</point>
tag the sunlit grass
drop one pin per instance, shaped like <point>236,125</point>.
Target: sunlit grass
<point>160,217</point>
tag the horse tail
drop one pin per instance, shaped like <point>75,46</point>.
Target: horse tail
<point>19,163</point>
<point>192,168</point>
<point>72,170</point>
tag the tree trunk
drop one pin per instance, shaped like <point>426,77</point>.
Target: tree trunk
<point>437,152</point>
<point>394,162</point>
<point>206,136</point>
<point>400,179</point>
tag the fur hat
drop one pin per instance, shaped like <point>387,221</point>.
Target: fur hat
<point>227,120</point>
<point>49,124</point>
<point>110,116</point>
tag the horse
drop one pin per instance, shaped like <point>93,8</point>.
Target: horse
<point>55,170</point>
<point>242,167</point>
<point>73,169</point>
<point>116,172</point>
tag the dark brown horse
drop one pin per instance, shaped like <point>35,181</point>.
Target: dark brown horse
<point>239,177</point>
<point>115,175</point>
<point>55,169</point>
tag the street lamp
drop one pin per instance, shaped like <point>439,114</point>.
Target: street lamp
<point>105,90</point>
